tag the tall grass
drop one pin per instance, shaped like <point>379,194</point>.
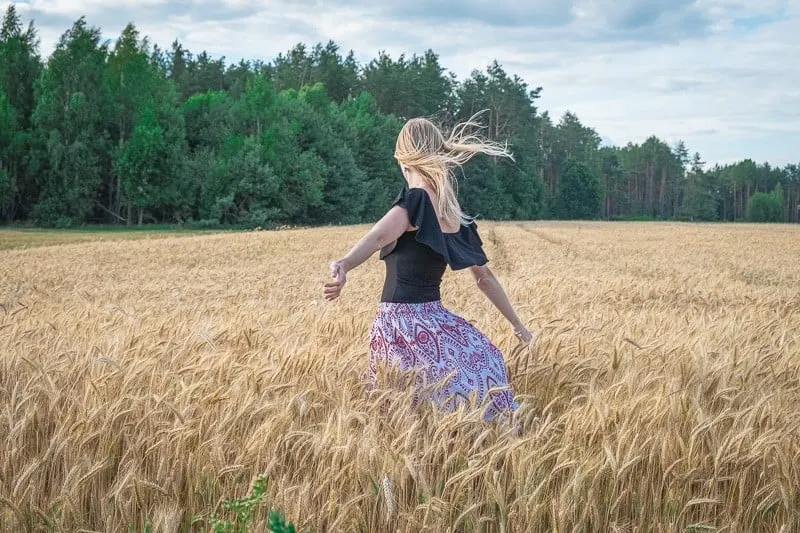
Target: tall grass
<point>147,382</point>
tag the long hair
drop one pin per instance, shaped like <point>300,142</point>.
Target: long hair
<point>421,145</point>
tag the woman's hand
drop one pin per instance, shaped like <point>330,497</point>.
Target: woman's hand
<point>523,334</point>
<point>529,341</point>
<point>333,288</point>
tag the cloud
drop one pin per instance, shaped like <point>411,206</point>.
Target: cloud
<point>498,13</point>
<point>643,20</point>
<point>716,73</point>
<point>638,14</point>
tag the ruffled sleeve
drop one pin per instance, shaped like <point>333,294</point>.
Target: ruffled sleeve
<point>460,250</point>
<point>420,213</point>
<point>473,254</point>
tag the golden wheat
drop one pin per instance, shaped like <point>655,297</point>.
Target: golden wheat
<point>149,380</point>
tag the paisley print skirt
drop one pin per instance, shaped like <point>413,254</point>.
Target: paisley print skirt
<point>447,355</point>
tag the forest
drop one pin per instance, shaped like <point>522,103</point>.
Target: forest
<point>129,133</point>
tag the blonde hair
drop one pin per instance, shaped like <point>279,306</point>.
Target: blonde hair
<point>421,145</point>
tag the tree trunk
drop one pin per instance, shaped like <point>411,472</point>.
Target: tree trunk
<point>651,190</point>
<point>796,206</point>
<point>117,205</point>
<point>786,206</point>
<point>111,192</point>
<point>630,197</point>
<point>725,208</point>
<point>130,215</point>
<point>141,215</point>
<point>746,200</point>
<point>677,197</point>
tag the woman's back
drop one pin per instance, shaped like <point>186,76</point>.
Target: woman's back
<point>413,272</point>
<point>416,262</point>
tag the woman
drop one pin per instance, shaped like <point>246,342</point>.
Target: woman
<point>424,232</point>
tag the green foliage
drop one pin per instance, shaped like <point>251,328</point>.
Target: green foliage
<point>72,104</point>
<point>243,511</point>
<point>777,194</point>
<point>498,188</point>
<point>8,132</point>
<point>6,187</point>
<point>580,194</point>
<point>278,524</point>
<point>257,107</point>
<point>372,136</point>
<point>145,163</point>
<point>299,68</point>
<point>209,120</point>
<point>244,188</point>
<point>570,139</point>
<point>766,207</point>
<point>324,172</point>
<point>700,200</point>
<point>409,88</point>
<point>20,66</point>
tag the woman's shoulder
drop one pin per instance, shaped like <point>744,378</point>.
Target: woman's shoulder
<point>460,249</point>
<point>417,202</point>
<point>408,194</point>
<point>419,194</point>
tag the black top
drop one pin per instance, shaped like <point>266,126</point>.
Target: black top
<point>416,262</point>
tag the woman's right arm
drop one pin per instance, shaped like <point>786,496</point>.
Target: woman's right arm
<point>387,230</point>
<point>491,287</point>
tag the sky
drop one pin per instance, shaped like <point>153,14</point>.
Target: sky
<point>721,75</point>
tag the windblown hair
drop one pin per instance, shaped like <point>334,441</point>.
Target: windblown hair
<point>422,146</point>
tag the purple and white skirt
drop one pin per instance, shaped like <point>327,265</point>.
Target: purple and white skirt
<point>444,350</point>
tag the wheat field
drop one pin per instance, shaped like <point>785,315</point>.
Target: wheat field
<point>146,382</point>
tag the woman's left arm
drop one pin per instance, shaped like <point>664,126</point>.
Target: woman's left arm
<point>387,230</point>
<point>491,287</point>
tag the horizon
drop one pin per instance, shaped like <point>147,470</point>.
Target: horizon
<point>711,72</point>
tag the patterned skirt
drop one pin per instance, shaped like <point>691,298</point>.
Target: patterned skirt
<point>445,353</point>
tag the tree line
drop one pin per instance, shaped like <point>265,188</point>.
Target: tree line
<point>131,133</point>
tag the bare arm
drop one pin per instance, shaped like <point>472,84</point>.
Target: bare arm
<point>387,230</point>
<point>491,287</point>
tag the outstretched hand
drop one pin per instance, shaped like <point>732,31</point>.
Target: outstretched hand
<point>528,339</point>
<point>333,289</point>
<point>524,335</point>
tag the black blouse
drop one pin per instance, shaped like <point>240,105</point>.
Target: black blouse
<point>416,262</point>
